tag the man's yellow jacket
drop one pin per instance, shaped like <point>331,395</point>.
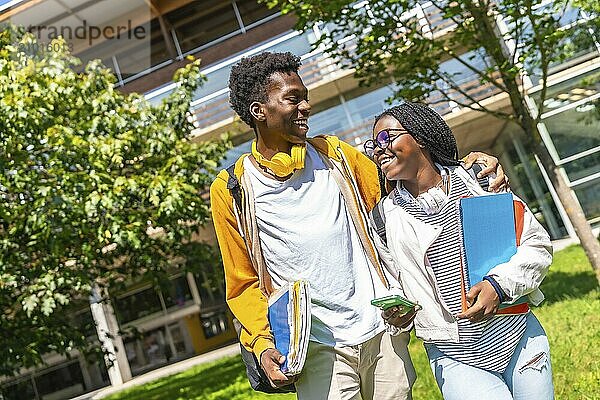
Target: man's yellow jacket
<point>246,279</point>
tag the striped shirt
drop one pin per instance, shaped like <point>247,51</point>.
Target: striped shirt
<point>487,344</point>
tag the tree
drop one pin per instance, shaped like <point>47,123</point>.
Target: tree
<point>96,188</point>
<point>501,42</point>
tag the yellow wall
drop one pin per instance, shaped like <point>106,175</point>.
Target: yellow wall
<point>202,344</point>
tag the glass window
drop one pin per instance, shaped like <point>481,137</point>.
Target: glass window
<point>18,390</point>
<point>588,195</point>
<point>177,294</point>
<point>574,130</point>
<point>574,45</point>
<point>211,287</point>
<point>367,106</point>
<point>571,91</point>
<point>212,111</point>
<point>179,342</point>
<point>96,369</point>
<point>215,81</point>
<point>142,54</point>
<point>330,121</point>
<point>435,17</point>
<point>103,51</point>
<point>134,54</point>
<point>529,184</point>
<point>298,45</point>
<point>201,22</point>
<point>361,110</point>
<point>214,323</point>
<point>85,322</point>
<point>68,380</point>
<point>252,11</point>
<point>147,351</point>
<point>137,305</point>
<point>230,157</point>
<point>583,167</point>
<point>469,82</point>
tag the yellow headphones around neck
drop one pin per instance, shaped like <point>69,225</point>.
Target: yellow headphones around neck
<point>282,164</point>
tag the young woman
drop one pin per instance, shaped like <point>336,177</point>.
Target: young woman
<point>476,353</point>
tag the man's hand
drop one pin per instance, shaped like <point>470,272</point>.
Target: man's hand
<point>393,317</point>
<point>492,166</point>
<point>486,303</point>
<point>270,361</point>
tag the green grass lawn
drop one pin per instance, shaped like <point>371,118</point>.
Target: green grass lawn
<point>570,315</point>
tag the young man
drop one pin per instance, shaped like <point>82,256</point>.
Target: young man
<point>304,216</point>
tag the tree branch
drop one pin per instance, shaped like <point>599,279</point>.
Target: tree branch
<point>544,63</point>
<point>454,86</point>
<point>478,72</point>
<point>442,9</point>
<point>453,55</point>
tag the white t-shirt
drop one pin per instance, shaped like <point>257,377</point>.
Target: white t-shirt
<point>306,233</point>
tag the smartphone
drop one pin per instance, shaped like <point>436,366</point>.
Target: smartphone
<point>404,305</point>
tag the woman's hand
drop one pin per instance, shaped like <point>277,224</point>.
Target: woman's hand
<point>393,317</point>
<point>270,361</point>
<point>492,166</point>
<point>483,302</point>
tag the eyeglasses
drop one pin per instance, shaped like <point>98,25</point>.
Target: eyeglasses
<point>382,140</point>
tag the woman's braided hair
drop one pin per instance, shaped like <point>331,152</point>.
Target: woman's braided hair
<point>428,128</point>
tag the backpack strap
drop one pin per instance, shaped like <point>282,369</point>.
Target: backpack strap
<point>483,182</point>
<point>250,232</point>
<point>233,184</point>
<point>378,218</point>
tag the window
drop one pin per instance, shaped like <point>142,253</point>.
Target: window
<point>211,286</point>
<point>330,121</point>
<point>178,339</point>
<point>574,130</point>
<point>103,51</point>
<point>133,54</point>
<point>570,91</point>
<point>137,305</point>
<point>84,321</point>
<point>583,167</point>
<point>215,81</point>
<point>588,195</point>
<point>214,324</point>
<point>140,55</point>
<point>18,390</point>
<point>177,293</point>
<point>66,380</point>
<point>148,350</point>
<point>251,11</point>
<point>201,22</point>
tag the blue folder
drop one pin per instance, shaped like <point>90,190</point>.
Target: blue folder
<point>489,236</point>
<point>280,327</point>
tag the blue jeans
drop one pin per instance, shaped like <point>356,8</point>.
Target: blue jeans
<point>527,377</point>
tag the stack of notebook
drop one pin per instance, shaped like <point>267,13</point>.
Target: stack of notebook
<point>289,317</point>
<point>490,236</point>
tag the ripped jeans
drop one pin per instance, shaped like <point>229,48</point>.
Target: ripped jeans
<point>527,377</point>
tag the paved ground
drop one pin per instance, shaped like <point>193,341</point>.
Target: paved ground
<point>219,353</point>
<point>562,243</point>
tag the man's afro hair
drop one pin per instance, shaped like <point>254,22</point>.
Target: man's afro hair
<point>249,79</point>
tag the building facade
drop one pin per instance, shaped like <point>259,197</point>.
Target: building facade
<point>190,316</point>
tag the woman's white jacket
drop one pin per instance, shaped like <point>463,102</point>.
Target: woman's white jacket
<point>408,240</point>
